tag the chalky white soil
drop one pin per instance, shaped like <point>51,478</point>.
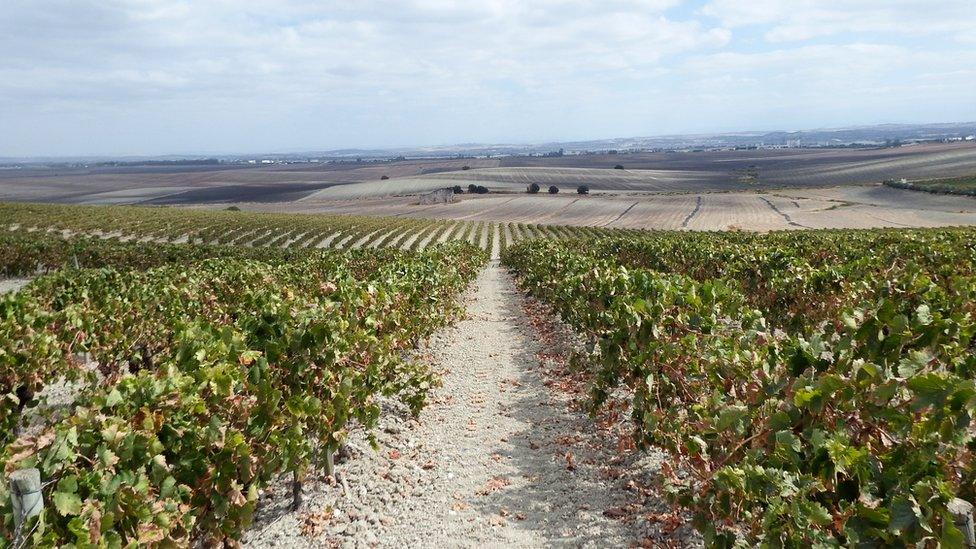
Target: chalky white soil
<point>12,284</point>
<point>502,455</point>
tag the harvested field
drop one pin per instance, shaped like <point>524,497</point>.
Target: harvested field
<point>693,191</point>
<point>568,179</point>
<point>207,184</point>
<point>706,171</point>
<point>834,207</point>
<point>673,172</point>
<point>788,166</point>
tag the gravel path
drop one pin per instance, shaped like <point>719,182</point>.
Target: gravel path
<point>12,284</point>
<point>500,457</point>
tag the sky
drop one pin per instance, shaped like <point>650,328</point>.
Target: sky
<point>141,77</point>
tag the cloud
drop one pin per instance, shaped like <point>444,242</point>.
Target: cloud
<point>223,75</point>
<point>797,20</point>
<point>309,45</point>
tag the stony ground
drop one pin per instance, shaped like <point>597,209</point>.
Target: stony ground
<point>502,456</point>
<point>12,284</point>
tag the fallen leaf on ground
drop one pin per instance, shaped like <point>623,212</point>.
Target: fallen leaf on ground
<point>625,443</point>
<point>615,513</point>
<point>493,485</point>
<point>669,521</point>
<point>313,524</point>
<point>611,473</point>
<point>567,440</point>
<point>496,520</point>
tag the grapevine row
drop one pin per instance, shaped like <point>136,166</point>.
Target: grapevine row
<point>812,388</point>
<point>249,229</point>
<point>215,377</point>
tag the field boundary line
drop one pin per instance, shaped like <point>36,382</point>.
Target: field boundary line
<point>694,212</point>
<point>622,214</point>
<point>786,216</point>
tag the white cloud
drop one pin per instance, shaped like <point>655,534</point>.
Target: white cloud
<point>795,20</point>
<point>168,75</point>
<point>383,43</point>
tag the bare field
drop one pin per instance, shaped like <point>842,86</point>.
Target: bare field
<point>686,172</point>
<point>680,172</point>
<point>596,179</point>
<point>692,191</point>
<point>833,207</point>
<point>788,166</point>
<point>208,184</point>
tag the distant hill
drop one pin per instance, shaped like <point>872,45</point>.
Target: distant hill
<point>827,137</point>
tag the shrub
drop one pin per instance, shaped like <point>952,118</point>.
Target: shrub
<point>553,189</point>
<point>582,189</point>
<point>532,188</point>
<point>465,167</point>
<point>233,209</point>
<point>618,167</point>
<point>472,188</point>
<point>458,189</point>
<point>384,178</point>
<point>480,189</point>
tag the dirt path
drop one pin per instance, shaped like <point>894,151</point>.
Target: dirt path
<point>12,284</point>
<point>498,458</point>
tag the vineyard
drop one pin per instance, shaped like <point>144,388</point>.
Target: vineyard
<point>202,373</point>
<point>956,185</point>
<point>810,388</point>
<point>164,367</point>
<point>125,224</point>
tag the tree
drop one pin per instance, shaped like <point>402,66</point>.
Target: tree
<point>465,167</point>
<point>618,167</point>
<point>458,189</point>
<point>481,190</point>
<point>384,178</point>
<point>472,188</point>
<point>532,188</point>
<point>553,189</point>
<point>582,189</point>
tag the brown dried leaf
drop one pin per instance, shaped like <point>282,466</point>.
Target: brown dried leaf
<point>615,513</point>
<point>313,524</point>
<point>493,485</point>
